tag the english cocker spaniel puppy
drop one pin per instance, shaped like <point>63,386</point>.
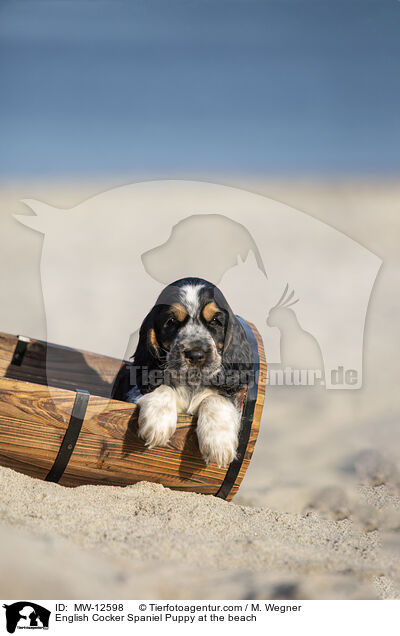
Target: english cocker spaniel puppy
<point>192,357</point>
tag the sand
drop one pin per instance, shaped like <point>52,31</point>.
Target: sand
<point>147,541</point>
<point>318,514</point>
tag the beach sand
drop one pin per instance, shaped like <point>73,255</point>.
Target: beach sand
<point>146,541</point>
<point>318,513</point>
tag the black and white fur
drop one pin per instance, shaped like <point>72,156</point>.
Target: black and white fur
<point>192,357</point>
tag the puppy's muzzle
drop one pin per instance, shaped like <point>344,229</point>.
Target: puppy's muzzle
<point>197,355</point>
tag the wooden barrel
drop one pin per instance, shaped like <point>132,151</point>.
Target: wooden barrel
<point>58,423</point>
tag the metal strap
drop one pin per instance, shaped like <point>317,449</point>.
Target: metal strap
<point>247,417</point>
<point>20,350</point>
<point>71,436</point>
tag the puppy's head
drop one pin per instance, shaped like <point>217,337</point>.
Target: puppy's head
<point>188,330</point>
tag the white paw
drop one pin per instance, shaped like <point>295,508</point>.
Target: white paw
<point>217,430</point>
<point>157,416</point>
<point>218,448</point>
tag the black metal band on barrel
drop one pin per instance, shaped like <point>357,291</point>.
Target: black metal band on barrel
<point>71,436</point>
<point>20,350</point>
<point>247,416</point>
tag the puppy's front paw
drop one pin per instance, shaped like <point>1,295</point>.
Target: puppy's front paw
<point>219,448</point>
<point>217,431</point>
<point>157,416</point>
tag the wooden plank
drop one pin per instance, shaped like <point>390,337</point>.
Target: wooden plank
<point>58,366</point>
<point>33,421</point>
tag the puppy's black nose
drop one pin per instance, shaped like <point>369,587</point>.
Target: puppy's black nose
<point>195,355</point>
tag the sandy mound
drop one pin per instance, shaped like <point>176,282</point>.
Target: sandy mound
<point>147,541</point>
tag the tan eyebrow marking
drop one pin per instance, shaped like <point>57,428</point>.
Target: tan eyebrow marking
<point>179,311</point>
<point>209,311</point>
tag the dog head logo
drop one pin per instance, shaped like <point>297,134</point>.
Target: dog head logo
<point>26,615</point>
<point>305,285</point>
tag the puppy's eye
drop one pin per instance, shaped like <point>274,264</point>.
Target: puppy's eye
<point>171,322</point>
<point>215,321</point>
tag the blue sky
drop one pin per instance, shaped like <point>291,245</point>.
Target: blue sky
<point>156,88</point>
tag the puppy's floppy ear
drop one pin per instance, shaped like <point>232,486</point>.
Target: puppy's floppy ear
<point>228,330</point>
<point>236,352</point>
<point>230,320</point>
<point>148,346</point>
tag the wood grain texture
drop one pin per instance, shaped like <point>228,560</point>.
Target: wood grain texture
<point>34,418</point>
<point>63,367</point>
